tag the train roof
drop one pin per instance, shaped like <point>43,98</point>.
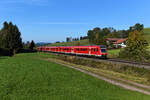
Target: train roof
<point>102,46</point>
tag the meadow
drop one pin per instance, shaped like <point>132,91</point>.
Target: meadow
<point>30,77</point>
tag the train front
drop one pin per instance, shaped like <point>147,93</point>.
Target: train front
<point>103,51</point>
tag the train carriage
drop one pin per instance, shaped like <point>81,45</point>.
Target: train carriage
<point>99,51</point>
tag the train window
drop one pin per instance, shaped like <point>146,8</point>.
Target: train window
<point>97,49</point>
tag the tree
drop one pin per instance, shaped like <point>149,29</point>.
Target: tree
<point>32,45</point>
<point>68,39</point>
<point>27,45</point>
<point>139,27</point>
<point>96,35</point>
<point>11,37</point>
<point>91,36</point>
<point>136,47</point>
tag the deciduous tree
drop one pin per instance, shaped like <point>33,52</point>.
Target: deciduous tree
<point>136,47</point>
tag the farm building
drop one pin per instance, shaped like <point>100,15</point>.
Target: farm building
<point>118,42</point>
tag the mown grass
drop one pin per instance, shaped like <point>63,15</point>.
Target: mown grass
<point>29,77</point>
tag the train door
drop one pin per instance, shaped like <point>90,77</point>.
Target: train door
<point>92,51</point>
<point>72,50</point>
<point>89,51</point>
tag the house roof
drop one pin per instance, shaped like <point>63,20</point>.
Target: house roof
<point>117,40</point>
<point>120,41</point>
<point>113,39</point>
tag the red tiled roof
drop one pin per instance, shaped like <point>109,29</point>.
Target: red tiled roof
<point>113,39</point>
<point>116,40</point>
<point>120,41</point>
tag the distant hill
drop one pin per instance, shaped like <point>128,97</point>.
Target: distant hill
<point>42,44</point>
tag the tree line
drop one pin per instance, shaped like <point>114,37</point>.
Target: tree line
<point>70,39</point>
<point>10,39</point>
<point>98,35</point>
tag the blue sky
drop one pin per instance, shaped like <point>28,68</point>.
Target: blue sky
<point>54,20</point>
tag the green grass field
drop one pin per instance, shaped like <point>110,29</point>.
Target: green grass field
<point>147,34</point>
<point>30,77</point>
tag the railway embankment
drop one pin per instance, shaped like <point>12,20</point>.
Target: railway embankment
<point>129,77</point>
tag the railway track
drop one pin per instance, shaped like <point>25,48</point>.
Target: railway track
<point>114,61</point>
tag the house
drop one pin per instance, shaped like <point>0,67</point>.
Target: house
<point>118,42</point>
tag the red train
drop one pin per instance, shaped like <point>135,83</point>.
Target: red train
<point>98,51</point>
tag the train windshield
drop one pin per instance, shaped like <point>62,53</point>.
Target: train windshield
<point>103,50</point>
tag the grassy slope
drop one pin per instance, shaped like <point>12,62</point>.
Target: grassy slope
<point>82,42</point>
<point>147,34</point>
<point>28,77</point>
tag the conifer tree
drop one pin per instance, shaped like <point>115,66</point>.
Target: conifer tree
<point>11,37</point>
<point>32,45</point>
